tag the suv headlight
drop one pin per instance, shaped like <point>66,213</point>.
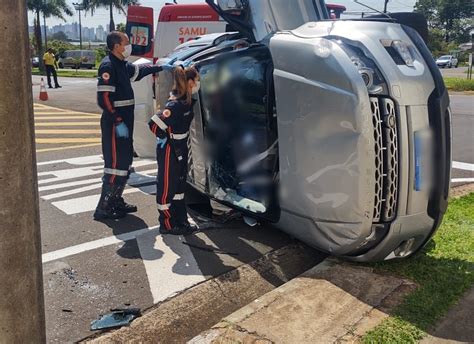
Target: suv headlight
<point>367,68</point>
<point>404,51</point>
<point>401,52</point>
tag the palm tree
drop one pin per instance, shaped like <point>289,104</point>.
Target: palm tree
<point>47,8</point>
<point>92,5</point>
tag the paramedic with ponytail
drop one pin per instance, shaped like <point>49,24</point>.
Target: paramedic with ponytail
<point>117,101</point>
<point>171,127</point>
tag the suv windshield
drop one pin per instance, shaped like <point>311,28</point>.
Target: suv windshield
<point>445,57</point>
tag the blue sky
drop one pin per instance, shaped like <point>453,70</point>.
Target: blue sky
<point>101,17</point>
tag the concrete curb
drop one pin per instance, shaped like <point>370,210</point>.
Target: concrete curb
<point>331,303</point>
<point>462,190</point>
<point>184,316</point>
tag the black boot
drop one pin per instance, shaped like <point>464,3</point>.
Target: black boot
<point>120,203</point>
<point>106,209</point>
<point>180,230</point>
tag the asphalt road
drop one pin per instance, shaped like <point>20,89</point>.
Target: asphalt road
<point>92,267</point>
<point>460,72</point>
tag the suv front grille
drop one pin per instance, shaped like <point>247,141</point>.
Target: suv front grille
<point>386,158</point>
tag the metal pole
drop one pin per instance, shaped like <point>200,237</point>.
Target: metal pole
<point>79,7</point>
<point>385,6</point>
<point>45,33</point>
<point>22,317</point>
<point>80,30</point>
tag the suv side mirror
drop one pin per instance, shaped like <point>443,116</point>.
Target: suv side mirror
<point>234,7</point>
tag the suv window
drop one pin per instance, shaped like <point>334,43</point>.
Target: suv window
<point>242,145</point>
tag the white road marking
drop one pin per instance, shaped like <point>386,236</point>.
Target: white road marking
<point>85,160</point>
<point>169,264</point>
<point>71,173</point>
<point>92,245</point>
<point>67,185</point>
<point>463,166</point>
<point>136,179</point>
<point>88,203</point>
<point>462,180</point>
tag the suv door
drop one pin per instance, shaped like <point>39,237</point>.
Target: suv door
<point>239,126</point>
<point>257,19</point>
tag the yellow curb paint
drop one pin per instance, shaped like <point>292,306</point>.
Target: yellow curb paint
<point>66,124</point>
<point>69,140</point>
<point>63,117</point>
<point>67,131</point>
<point>66,148</point>
<point>49,113</point>
<point>43,108</point>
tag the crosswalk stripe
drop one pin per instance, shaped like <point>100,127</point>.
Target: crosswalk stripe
<point>66,124</point>
<point>69,140</point>
<point>92,245</point>
<point>67,131</point>
<point>66,148</point>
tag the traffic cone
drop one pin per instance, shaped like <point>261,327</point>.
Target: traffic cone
<point>43,94</point>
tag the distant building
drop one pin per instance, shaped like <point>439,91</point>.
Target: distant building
<point>100,33</point>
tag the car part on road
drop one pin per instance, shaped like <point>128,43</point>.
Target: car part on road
<point>196,309</point>
<point>210,249</point>
<point>117,318</point>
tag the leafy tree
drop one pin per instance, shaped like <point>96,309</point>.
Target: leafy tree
<point>100,54</point>
<point>92,5</point>
<point>453,18</point>
<point>47,8</point>
<point>60,36</point>
<point>60,46</point>
<point>121,27</point>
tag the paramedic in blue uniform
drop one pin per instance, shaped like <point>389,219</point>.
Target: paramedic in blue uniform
<point>115,97</point>
<point>171,127</point>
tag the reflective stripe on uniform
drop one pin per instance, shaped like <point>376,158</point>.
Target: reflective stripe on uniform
<point>105,88</point>
<point>122,103</point>
<point>135,75</point>
<point>178,197</point>
<point>179,136</point>
<point>159,122</point>
<point>115,172</point>
<point>163,207</point>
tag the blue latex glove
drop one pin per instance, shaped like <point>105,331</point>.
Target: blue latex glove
<point>167,67</point>
<point>161,142</point>
<point>187,64</point>
<point>121,131</point>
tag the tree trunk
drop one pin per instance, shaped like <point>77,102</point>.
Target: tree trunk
<point>39,41</point>
<point>111,24</point>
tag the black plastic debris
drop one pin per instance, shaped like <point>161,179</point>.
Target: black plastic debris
<point>210,249</point>
<point>117,318</point>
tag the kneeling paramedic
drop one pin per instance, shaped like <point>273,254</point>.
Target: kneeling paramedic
<point>171,127</point>
<point>115,97</point>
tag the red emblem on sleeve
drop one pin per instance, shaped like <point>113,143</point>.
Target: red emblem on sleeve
<point>106,76</point>
<point>166,113</point>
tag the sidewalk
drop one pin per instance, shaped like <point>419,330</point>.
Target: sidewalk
<point>457,326</point>
<point>330,303</point>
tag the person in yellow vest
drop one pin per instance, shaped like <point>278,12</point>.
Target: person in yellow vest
<point>51,64</point>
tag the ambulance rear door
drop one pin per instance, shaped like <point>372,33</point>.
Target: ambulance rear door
<point>140,30</point>
<point>180,23</point>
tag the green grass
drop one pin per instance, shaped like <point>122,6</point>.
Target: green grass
<point>82,73</point>
<point>444,270</point>
<point>459,84</point>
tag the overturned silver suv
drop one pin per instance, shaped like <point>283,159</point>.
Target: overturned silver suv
<point>337,132</point>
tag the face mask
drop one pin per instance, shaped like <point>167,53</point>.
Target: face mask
<point>196,87</point>
<point>128,51</point>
